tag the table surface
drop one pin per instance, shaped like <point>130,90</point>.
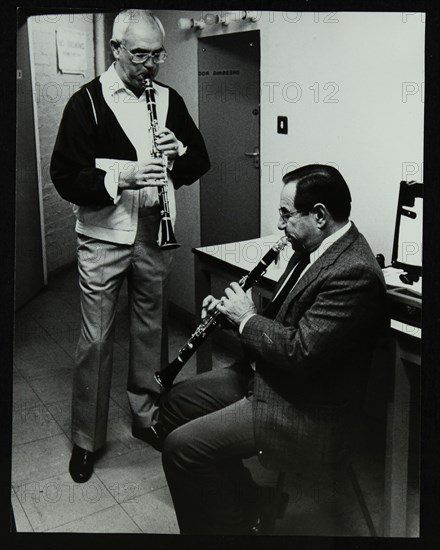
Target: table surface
<point>246,254</point>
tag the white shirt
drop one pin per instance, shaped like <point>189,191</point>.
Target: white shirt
<point>326,243</point>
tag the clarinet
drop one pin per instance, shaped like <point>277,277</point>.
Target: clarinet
<point>166,376</point>
<point>167,239</point>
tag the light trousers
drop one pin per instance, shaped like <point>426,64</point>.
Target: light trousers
<point>103,266</point>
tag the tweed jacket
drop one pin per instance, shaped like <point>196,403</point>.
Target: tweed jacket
<point>312,360</point>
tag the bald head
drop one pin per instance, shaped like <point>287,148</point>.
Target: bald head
<point>131,22</point>
<point>136,32</point>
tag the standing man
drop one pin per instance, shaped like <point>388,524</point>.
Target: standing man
<point>293,399</point>
<point>102,164</point>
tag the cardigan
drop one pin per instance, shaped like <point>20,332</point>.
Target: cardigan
<point>88,131</point>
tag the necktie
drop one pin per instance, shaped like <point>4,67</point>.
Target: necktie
<point>274,306</point>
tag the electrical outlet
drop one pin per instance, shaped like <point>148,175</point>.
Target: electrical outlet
<point>282,125</point>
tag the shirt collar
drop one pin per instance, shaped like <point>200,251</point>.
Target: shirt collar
<point>328,241</point>
<point>112,81</point>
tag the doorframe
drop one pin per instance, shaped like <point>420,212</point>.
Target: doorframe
<point>29,23</point>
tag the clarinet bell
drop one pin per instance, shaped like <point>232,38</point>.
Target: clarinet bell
<point>167,238</point>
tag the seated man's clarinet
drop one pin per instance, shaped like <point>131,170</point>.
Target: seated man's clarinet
<point>166,376</point>
<point>167,239</point>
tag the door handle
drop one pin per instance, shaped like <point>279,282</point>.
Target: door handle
<point>256,156</point>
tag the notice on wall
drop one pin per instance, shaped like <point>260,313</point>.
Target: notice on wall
<point>224,72</point>
<point>71,51</point>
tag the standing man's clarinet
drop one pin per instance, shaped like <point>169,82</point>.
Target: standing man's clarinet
<point>166,376</point>
<point>167,238</point>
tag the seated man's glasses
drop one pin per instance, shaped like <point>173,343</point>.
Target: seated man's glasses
<point>156,57</point>
<point>285,215</point>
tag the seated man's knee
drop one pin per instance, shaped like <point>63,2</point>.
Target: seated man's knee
<point>173,451</point>
<point>182,449</point>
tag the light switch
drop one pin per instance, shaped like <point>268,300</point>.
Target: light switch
<point>282,125</point>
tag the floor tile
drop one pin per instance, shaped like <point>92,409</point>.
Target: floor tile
<point>128,473</point>
<point>66,285</point>
<point>41,357</point>
<point>26,331</point>
<point>16,376</point>
<point>129,476</point>
<point>21,521</point>
<point>119,395</point>
<point>119,438</point>
<point>110,520</point>
<point>23,396</point>
<point>67,339</point>
<point>49,307</point>
<point>154,512</point>
<point>32,462</point>
<point>413,527</point>
<point>52,389</point>
<point>62,411</point>
<point>58,500</point>
<point>59,320</point>
<point>32,424</point>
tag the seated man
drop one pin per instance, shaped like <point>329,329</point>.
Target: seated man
<point>292,398</point>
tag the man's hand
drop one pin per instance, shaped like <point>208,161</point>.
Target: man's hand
<point>237,304</point>
<point>138,175</point>
<point>167,143</point>
<point>209,305</point>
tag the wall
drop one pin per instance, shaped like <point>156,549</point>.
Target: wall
<point>108,27</point>
<point>351,90</point>
<point>52,90</point>
<point>351,85</point>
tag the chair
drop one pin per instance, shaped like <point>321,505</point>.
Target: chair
<point>378,367</point>
<point>268,528</point>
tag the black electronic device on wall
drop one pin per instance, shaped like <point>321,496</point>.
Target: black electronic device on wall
<point>405,302</point>
<point>407,245</point>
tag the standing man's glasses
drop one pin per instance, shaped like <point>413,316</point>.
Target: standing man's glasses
<point>156,57</point>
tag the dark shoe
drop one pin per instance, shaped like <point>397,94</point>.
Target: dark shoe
<point>81,464</point>
<point>265,521</point>
<point>152,435</point>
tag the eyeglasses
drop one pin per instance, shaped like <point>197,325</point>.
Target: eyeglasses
<point>285,215</point>
<point>156,57</point>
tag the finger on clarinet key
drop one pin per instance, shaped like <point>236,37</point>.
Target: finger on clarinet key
<point>156,163</point>
<point>230,293</point>
<point>207,305</point>
<point>235,287</point>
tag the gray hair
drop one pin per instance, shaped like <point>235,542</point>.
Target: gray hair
<point>126,18</point>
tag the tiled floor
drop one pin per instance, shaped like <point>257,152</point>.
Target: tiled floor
<point>128,492</point>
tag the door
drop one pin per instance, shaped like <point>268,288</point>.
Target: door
<point>29,274</point>
<point>229,119</point>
